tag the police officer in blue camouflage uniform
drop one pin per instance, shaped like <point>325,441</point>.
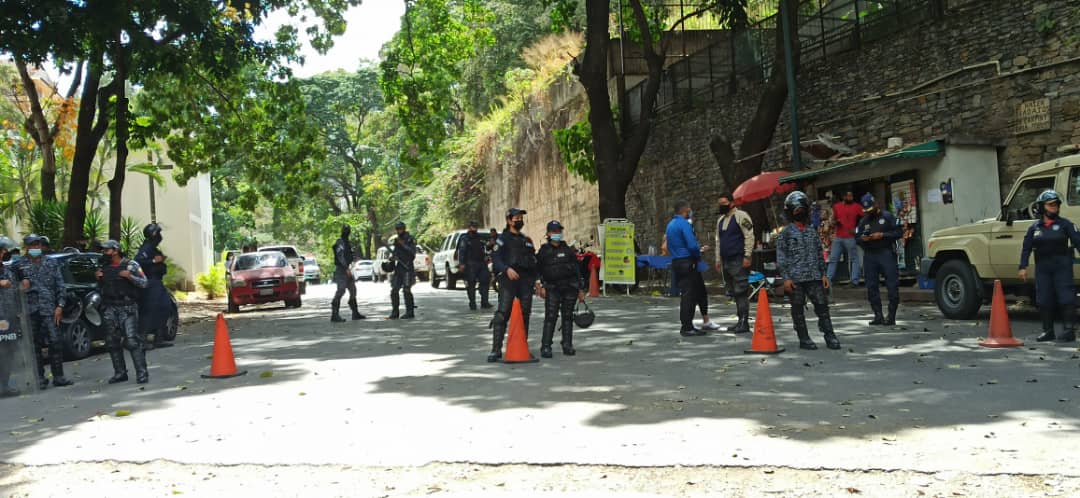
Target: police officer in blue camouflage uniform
<point>155,305</point>
<point>1049,237</point>
<point>561,286</point>
<point>45,299</point>
<point>802,264</point>
<point>877,233</point>
<point>122,282</point>
<point>8,339</point>
<point>404,254</point>
<point>514,261</point>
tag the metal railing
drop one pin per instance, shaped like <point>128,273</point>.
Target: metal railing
<point>825,30</point>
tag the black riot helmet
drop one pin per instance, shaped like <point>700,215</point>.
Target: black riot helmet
<point>346,230</point>
<point>152,232</point>
<point>795,201</point>
<point>1047,196</point>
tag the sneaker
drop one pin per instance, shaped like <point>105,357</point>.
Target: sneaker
<point>710,326</point>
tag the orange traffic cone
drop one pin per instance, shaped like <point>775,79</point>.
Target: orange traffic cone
<point>594,282</point>
<point>1000,330</point>
<point>517,345</point>
<point>764,341</point>
<point>222,365</point>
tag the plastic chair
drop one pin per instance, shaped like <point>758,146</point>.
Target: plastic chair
<point>759,281</point>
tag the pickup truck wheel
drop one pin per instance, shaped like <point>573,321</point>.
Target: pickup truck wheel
<point>956,290</point>
<point>451,280</point>
<point>433,277</point>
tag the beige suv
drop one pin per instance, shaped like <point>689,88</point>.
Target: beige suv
<point>965,260</point>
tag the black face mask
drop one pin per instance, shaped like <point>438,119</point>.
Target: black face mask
<point>801,217</point>
<point>518,225</point>
<point>1052,216</point>
<point>849,201</point>
<point>724,208</point>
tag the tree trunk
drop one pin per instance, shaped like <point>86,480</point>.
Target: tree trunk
<point>373,235</point>
<point>94,104</point>
<point>116,185</point>
<point>38,128</point>
<point>616,158</point>
<point>759,134</point>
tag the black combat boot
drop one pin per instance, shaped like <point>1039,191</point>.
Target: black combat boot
<point>56,361</point>
<point>879,319</point>
<point>804,338</point>
<point>890,319</point>
<point>1068,319</point>
<point>356,315</point>
<point>43,383</point>
<point>547,335</point>
<point>336,318</point>
<point>484,303</point>
<point>138,359</point>
<point>568,339</point>
<point>742,308</point>
<point>409,305</point>
<point>395,303</point>
<point>1046,314</point>
<point>119,367</point>
<point>496,347</point>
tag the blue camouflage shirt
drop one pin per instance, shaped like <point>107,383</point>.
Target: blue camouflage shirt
<point>46,283</point>
<point>799,254</point>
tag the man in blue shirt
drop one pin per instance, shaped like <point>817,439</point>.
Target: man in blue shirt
<point>685,253</point>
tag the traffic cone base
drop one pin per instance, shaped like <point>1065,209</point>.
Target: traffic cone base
<point>1000,333</point>
<point>517,346</point>
<point>222,363</point>
<point>764,340</point>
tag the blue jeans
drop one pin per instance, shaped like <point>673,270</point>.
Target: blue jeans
<point>848,247</point>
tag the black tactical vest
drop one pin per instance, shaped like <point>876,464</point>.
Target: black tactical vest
<point>117,290</point>
<point>558,264</point>
<point>474,248</point>
<point>520,256</point>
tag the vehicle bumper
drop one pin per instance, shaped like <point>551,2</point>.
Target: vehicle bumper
<point>924,267</point>
<point>246,295</point>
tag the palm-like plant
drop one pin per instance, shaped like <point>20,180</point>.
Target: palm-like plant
<point>95,226</point>
<point>47,218</point>
<point>131,236</point>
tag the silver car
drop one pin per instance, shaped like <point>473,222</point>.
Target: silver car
<point>363,270</point>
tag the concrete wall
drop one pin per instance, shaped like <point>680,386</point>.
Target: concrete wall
<point>534,177</point>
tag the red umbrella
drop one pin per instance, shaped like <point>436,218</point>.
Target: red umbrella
<point>762,186</point>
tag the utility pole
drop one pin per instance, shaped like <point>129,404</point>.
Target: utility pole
<point>793,100</point>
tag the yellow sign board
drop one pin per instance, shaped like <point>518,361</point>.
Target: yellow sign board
<point>620,261</point>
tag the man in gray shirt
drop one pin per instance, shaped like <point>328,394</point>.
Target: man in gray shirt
<point>800,256</point>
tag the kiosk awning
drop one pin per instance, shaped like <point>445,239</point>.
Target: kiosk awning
<point>932,148</point>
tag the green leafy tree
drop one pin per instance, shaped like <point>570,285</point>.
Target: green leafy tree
<point>114,42</point>
<point>618,146</point>
<point>422,69</point>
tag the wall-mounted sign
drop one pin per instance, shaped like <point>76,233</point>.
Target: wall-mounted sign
<point>1032,116</point>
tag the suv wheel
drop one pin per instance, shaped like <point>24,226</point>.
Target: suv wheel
<point>77,340</point>
<point>451,280</point>
<point>956,290</point>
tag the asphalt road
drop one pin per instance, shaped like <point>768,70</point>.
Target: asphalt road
<point>921,397</point>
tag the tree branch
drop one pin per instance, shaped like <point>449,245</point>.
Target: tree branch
<point>40,129</point>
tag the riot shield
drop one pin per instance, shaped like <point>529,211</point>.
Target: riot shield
<point>17,368</point>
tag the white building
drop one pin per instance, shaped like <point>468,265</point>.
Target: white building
<point>184,213</point>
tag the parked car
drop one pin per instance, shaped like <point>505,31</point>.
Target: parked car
<point>263,277</point>
<point>422,264</point>
<point>363,270</point>
<point>311,271</point>
<point>381,256</point>
<point>81,323</point>
<point>444,265</point>
<point>965,260</point>
<point>296,261</point>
